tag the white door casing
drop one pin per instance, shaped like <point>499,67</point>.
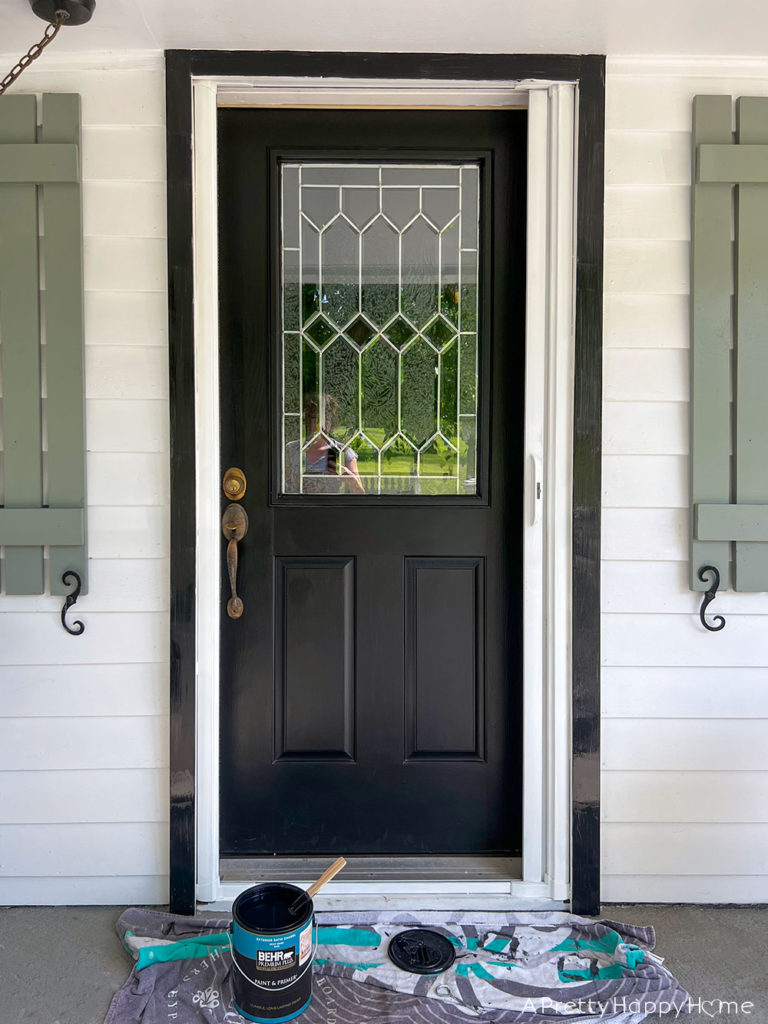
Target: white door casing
<point>550,295</point>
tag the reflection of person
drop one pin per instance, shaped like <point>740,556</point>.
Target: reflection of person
<point>322,455</point>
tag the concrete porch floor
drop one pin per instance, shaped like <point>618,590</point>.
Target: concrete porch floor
<point>62,965</point>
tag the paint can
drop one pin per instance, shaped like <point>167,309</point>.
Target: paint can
<point>272,952</point>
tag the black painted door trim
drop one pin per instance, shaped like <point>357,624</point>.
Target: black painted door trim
<point>589,72</point>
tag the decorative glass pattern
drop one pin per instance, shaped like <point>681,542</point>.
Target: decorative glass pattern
<point>379,355</point>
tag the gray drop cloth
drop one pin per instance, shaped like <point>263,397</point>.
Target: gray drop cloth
<point>558,970</point>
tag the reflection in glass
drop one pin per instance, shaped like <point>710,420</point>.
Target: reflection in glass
<point>379,357</point>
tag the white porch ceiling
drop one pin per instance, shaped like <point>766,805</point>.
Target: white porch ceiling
<point>614,27</point>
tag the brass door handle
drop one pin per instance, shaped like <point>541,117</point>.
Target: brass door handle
<point>234,526</point>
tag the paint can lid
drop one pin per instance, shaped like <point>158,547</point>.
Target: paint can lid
<point>421,951</point>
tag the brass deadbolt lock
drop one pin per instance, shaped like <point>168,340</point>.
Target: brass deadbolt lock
<point>234,483</point>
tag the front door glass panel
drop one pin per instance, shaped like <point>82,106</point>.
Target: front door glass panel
<point>379,354</point>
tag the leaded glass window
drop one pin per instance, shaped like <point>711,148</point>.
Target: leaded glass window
<point>379,328</point>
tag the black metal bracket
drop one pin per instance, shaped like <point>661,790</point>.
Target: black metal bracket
<point>77,626</point>
<point>78,11</point>
<point>709,597</point>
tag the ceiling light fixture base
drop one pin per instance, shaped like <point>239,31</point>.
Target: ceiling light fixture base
<point>79,11</point>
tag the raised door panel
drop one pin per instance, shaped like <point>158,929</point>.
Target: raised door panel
<point>314,659</point>
<point>444,677</point>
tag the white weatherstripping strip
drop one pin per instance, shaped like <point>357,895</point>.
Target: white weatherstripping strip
<point>208,477</point>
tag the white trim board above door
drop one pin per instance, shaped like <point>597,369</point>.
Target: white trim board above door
<point>544,881</point>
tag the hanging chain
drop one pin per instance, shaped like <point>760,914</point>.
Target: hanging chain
<point>51,31</point>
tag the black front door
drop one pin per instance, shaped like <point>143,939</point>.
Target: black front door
<point>372,386</point>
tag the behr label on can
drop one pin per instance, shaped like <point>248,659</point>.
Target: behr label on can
<point>276,959</point>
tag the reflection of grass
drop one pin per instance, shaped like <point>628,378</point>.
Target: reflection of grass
<point>438,465</point>
<point>399,460</point>
<point>398,465</point>
<point>366,466</point>
<point>439,459</point>
<point>391,485</point>
<point>437,485</point>
<point>377,434</point>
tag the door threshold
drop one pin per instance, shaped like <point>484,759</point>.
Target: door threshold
<point>394,883</point>
<point>463,904</point>
<point>373,869</point>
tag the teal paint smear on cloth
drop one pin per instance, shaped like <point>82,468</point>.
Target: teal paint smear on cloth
<point>615,971</point>
<point>347,937</point>
<point>497,945</point>
<point>184,949</point>
<point>607,944</point>
<point>463,971</point>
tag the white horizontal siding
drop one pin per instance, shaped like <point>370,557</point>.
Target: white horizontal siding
<point>111,97</point>
<point>103,690</point>
<point>674,797</point>
<point>139,532</point>
<point>685,712</point>
<point>645,534</point>
<point>645,428</point>
<point>646,375</point>
<point>46,744</point>
<point>644,587</point>
<point>102,890</point>
<point>644,101</point>
<point>132,153</point>
<point>128,478</point>
<point>129,209</point>
<point>685,744</point>
<point>645,321</point>
<point>646,158</point>
<point>658,266</point>
<point>126,318</point>
<point>684,888</point>
<point>641,692</point>
<point>112,848</point>
<point>129,425</point>
<point>126,372</point>
<point>36,638</point>
<point>675,848</point>
<point>645,481</point>
<point>661,212</point>
<point>84,727</point>
<point>667,639</point>
<point>69,797</point>
<point>120,264</point>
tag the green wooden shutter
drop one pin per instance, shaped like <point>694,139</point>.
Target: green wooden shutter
<point>729,342</point>
<point>41,343</point>
<point>710,337</point>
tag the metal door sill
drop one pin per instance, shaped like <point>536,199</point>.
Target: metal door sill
<point>373,869</point>
<point>395,883</point>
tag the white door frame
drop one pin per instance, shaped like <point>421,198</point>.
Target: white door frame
<point>550,306</point>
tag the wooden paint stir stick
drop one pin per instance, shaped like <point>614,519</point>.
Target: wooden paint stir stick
<point>315,888</point>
